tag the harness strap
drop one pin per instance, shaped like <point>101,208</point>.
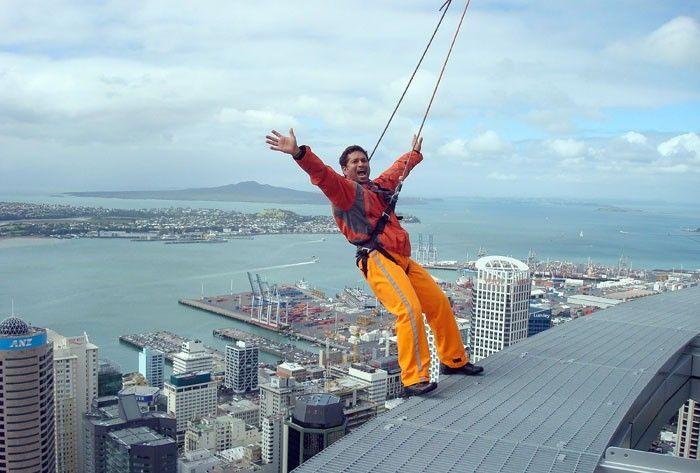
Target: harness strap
<point>362,256</point>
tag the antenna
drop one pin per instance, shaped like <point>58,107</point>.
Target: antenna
<point>13,306</point>
<point>202,289</point>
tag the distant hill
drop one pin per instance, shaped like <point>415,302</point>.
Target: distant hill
<point>248,191</point>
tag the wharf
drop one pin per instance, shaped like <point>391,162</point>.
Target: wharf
<point>170,344</point>
<point>282,350</point>
<point>318,341</point>
<point>231,314</point>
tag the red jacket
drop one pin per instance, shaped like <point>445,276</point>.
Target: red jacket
<point>357,207</point>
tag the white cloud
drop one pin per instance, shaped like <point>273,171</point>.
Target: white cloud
<point>485,144</point>
<point>682,145</point>
<point>676,42</point>
<point>634,138</point>
<point>499,176</point>
<point>566,148</point>
<point>456,148</point>
<point>674,169</point>
<point>488,142</point>
<point>257,118</point>
<point>160,79</point>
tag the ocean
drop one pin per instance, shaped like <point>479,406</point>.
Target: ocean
<point>107,288</point>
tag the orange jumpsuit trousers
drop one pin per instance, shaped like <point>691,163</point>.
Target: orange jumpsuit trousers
<point>407,291</point>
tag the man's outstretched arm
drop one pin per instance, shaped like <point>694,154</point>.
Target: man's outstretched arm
<point>340,191</point>
<point>390,178</point>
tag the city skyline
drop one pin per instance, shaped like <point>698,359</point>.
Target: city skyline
<point>539,99</point>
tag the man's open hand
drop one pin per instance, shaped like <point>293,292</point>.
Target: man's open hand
<point>284,144</point>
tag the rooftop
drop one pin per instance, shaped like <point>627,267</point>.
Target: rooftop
<point>562,402</point>
<point>14,326</point>
<point>501,263</point>
<point>139,435</point>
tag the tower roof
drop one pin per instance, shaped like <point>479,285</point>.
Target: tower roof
<point>14,326</point>
<point>501,263</point>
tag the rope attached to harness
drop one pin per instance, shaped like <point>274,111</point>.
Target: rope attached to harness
<point>446,6</point>
<point>372,242</point>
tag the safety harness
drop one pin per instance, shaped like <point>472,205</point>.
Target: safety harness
<point>372,243</point>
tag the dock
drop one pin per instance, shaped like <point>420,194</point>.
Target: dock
<point>208,305</point>
<point>170,344</point>
<point>267,345</point>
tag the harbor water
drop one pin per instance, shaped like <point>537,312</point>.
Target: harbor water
<point>110,287</point>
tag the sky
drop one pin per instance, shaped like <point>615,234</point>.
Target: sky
<point>588,100</point>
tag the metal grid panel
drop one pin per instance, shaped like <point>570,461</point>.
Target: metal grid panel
<point>548,404</point>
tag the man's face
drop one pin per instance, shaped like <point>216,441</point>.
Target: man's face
<point>357,168</point>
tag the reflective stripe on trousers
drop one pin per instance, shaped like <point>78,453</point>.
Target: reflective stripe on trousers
<point>407,290</point>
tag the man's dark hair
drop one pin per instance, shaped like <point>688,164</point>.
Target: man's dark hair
<point>350,149</point>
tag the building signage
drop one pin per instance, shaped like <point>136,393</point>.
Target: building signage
<point>23,343</point>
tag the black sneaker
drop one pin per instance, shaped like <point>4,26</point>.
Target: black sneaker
<point>468,369</point>
<point>418,389</point>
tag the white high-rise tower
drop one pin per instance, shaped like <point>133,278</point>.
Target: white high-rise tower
<point>75,386</point>
<point>193,357</point>
<point>501,298</point>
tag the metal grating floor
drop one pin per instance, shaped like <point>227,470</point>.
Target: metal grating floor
<point>548,404</point>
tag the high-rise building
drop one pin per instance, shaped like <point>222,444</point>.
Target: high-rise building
<point>190,396</point>
<point>109,378</point>
<point>27,440</point>
<point>376,378</point>
<point>241,373</point>
<point>152,366</point>
<point>390,364</point>
<point>276,399</point>
<point>219,433</point>
<point>75,386</point>
<point>539,319</point>
<point>688,430</point>
<point>117,413</point>
<point>292,370</point>
<point>501,298</point>
<point>199,461</point>
<point>354,397</point>
<point>192,357</point>
<point>317,422</point>
<point>138,450</point>
<point>247,411</point>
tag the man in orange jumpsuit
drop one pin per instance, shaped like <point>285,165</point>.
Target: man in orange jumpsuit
<point>384,256</point>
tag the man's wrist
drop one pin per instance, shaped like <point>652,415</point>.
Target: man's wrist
<point>300,153</point>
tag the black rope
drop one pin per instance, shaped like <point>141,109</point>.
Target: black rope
<point>395,196</point>
<point>446,6</point>
<point>444,65</point>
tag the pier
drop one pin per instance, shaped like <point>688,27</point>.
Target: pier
<point>267,345</point>
<point>210,305</point>
<point>170,344</point>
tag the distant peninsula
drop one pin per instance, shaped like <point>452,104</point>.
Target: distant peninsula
<point>247,191</point>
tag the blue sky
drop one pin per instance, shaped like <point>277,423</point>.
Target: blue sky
<point>541,98</point>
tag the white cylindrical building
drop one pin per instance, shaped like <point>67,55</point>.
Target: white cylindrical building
<point>501,297</point>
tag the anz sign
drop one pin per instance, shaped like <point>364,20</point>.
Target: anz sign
<point>22,343</point>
